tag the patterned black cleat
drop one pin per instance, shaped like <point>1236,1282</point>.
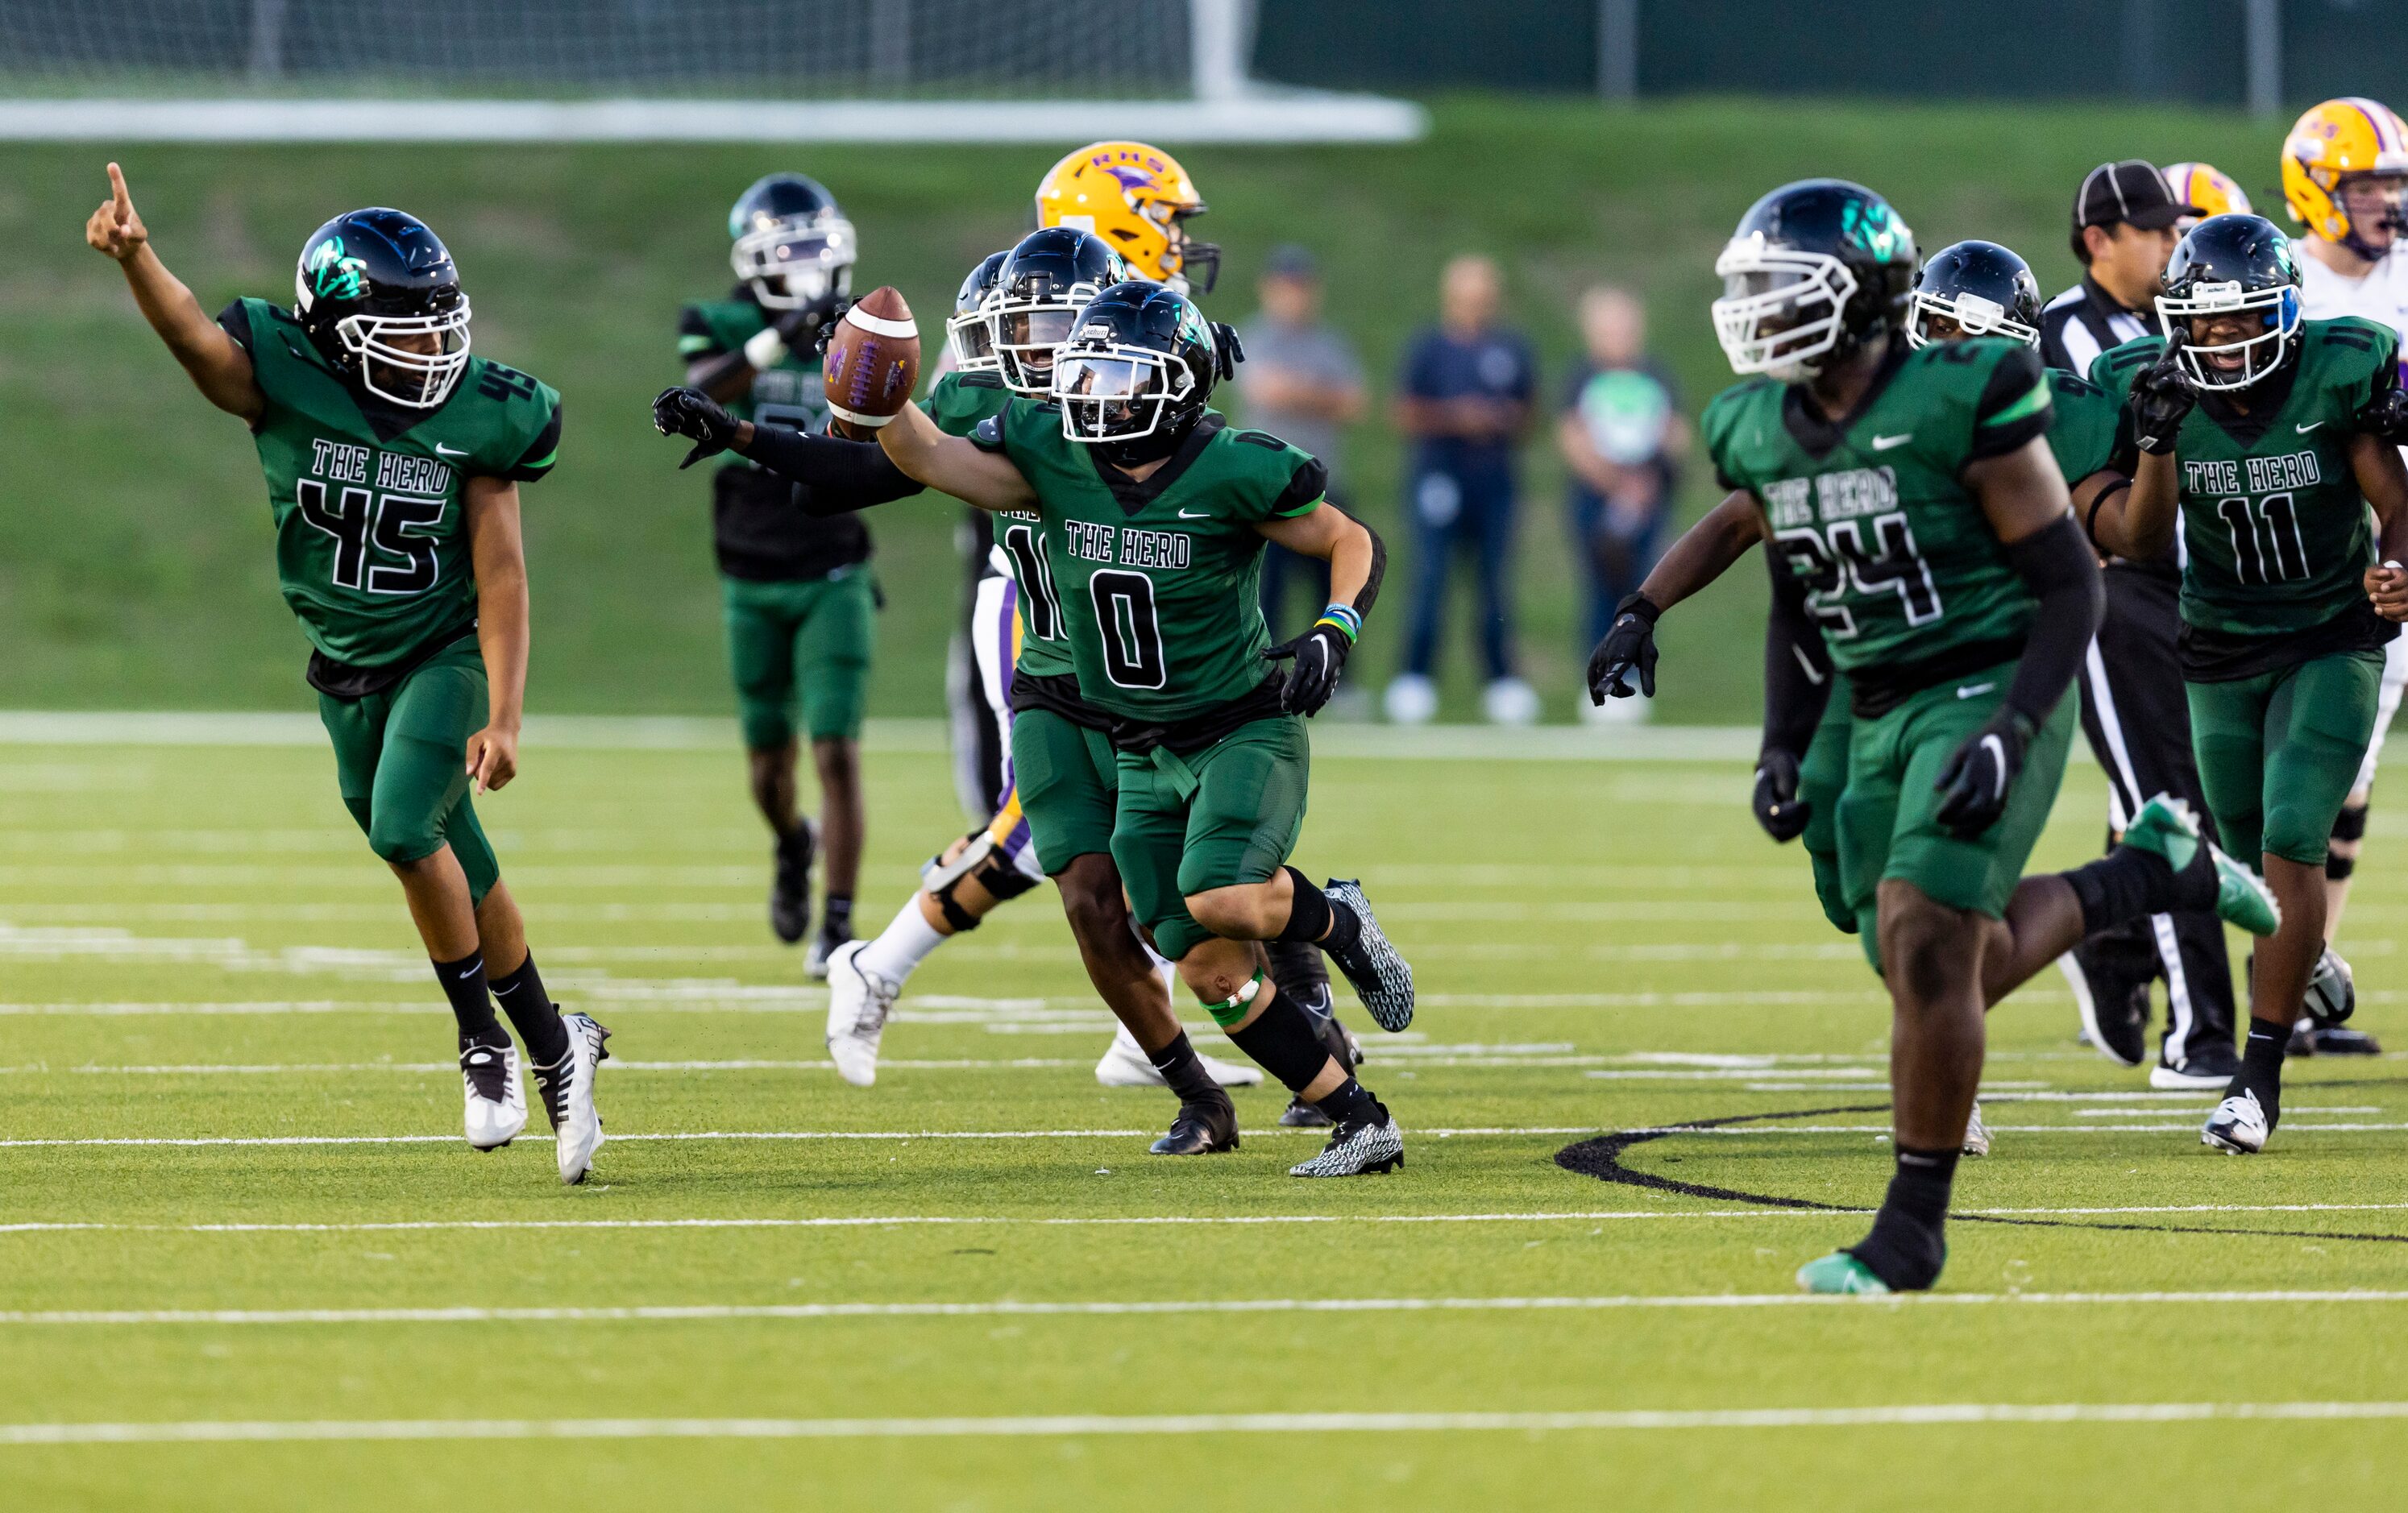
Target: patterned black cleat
<point>1357,1148</point>
<point>1202,1129</point>
<point>790,882</point>
<point>1381,978</point>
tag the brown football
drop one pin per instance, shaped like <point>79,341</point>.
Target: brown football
<point>873,361</point>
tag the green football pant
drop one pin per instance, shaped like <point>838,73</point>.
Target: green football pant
<point>1227,815</point>
<point>1069,784</point>
<point>802,643</point>
<point>401,757</point>
<point>1822,779</point>
<point>2277,753</point>
<point>1889,825</point>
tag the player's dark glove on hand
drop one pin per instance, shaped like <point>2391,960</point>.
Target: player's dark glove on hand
<point>2162,396</point>
<point>1320,655</point>
<point>692,413</point>
<point>1778,808</point>
<point>1629,643</point>
<point>2387,417</point>
<point>825,331</point>
<point>1974,786</point>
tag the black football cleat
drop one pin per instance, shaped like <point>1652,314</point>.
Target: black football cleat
<point>790,882</point>
<point>1300,1115</point>
<point>1381,978</point>
<point>2309,1039</point>
<point>1202,1129</point>
<point>2114,1006</point>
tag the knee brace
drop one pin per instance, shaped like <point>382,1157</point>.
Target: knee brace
<point>982,863</point>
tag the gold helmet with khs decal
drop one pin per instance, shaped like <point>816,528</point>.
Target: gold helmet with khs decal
<point>1137,198</point>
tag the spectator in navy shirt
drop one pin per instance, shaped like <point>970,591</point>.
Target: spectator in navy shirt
<point>1465,401</point>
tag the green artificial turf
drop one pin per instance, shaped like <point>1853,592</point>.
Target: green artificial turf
<point>134,558</point>
<point>1600,947</point>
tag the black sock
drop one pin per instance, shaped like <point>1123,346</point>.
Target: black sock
<point>1345,928</point>
<point>1302,973</point>
<point>532,1014</point>
<point>835,915</point>
<point>1308,916</point>
<point>2129,883</point>
<point>1184,1071</point>
<point>2261,1067</point>
<point>1909,1244</point>
<point>464,983</point>
<point>1282,1042</point>
<point>1352,1103</point>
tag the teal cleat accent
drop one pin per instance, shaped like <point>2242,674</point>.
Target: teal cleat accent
<point>2165,828</point>
<point>1839,1273</point>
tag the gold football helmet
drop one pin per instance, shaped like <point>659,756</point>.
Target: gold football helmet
<point>1137,198</point>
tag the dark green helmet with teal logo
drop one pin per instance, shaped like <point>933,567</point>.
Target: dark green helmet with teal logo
<point>369,277</point>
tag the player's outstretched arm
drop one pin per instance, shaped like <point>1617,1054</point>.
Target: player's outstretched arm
<point>219,366</point>
<point>1796,686</point>
<point>498,554</point>
<point>1703,553</point>
<point>1358,560</point>
<point>2022,494</point>
<point>2384,479</point>
<point>979,478</point>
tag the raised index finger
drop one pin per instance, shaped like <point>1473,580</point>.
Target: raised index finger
<point>117,192</point>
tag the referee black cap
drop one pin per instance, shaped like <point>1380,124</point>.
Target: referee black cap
<point>2132,192</point>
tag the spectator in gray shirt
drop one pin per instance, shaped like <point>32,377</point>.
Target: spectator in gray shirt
<point>1301,382</point>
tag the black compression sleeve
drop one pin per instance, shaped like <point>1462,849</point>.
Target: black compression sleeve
<point>1370,593</point>
<point>836,475</point>
<point>2062,572</point>
<point>1796,665</point>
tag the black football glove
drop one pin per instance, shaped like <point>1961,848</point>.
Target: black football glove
<point>2162,398</point>
<point>1972,787</point>
<point>692,413</point>
<point>1629,643</point>
<point>1778,808</point>
<point>821,329</point>
<point>1320,655</point>
<point>2387,417</point>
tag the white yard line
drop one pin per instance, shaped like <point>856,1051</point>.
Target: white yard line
<point>708,1312</point>
<point>1142,1220</point>
<point>1442,1133</point>
<point>1078,1425</point>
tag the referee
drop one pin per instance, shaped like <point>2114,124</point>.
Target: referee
<point>2134,707</point>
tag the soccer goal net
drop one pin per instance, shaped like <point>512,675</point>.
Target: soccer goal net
<point>742,69</point>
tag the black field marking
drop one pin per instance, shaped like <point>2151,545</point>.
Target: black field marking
<point>1601,1158</point>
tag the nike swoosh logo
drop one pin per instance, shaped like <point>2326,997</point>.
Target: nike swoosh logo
<point>1998,750</point>
<point>470,973</point>
<point>2312,426</point>
<point>1886,443</point>
<point>1974,690</point>
<point>1195,515</point>
<point>1806,667</point>
<point>448,451</point>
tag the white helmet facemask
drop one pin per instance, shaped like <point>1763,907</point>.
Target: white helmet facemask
<point>2260,355</point>
<point>1975,315</point>
<point>1781,309</point>
<point>797,263</point>
<point>1115,393</point>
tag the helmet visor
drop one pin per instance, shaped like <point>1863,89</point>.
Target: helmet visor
<point>1781,309</point>
<point>795,263</point>
<point>1114,395</point>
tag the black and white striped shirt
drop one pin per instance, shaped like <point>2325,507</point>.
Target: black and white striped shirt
<point>2082,322</point>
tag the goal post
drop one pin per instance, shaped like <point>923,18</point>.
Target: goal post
<point>694,70</point>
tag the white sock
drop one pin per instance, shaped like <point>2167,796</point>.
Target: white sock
<point>903,944</point>
<point>1167,970</point>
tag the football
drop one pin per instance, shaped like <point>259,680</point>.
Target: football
<point>873,361</point>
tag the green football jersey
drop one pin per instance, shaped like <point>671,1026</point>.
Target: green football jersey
<point>790,394</point>
<point>1900,563</point>
<point>957,402</point>
<point>1155,584</point>
<point>2276,532</point>
<point>2081,424</point>
<point>371,527</point>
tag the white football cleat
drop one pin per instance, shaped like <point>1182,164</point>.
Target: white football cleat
<point>567,1089</point>
<point>1977,1135</point>
<point>858,1003</point>
<point>2238,1127</point>
<point>496,1099</point>
<point>1126,1065</point>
